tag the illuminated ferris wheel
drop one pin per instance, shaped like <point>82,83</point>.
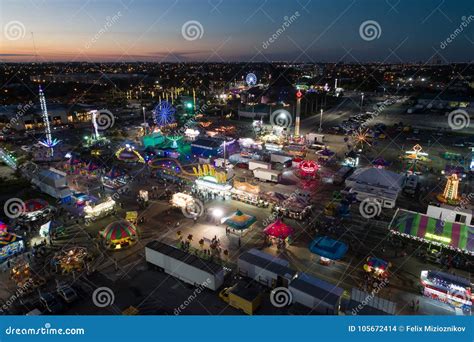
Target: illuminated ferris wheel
<point>163,114</point>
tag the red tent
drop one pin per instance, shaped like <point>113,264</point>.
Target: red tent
<point>278,229</point>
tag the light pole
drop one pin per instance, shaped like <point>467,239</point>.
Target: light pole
<point>321,121</point>
<point>144,120</point>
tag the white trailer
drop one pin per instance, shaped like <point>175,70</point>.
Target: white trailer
<point>267,175</point>
<point>265,268</point>
<point>314,293</point>
<point>280,158</point>
<point>182,265</point>
<point>312,138</point>
<point>255,164</point>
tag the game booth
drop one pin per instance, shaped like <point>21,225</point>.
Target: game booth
<point>248,193</point>
<point>119,235</point>
<point>238,222</point>
<point>93,212</point>
<point>455,236</point>
<point>289,206</point>
<point>278,232</point>
<point>211,181</point>
<point>328,249</point>
<point>10,245</point>
<point>447,288</point>
<point>115,178</point>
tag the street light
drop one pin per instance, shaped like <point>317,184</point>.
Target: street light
<point>217,213</point>
<point>321,121</point>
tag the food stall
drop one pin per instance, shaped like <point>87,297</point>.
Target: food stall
<point>448,288</point>
<point>247,193</point>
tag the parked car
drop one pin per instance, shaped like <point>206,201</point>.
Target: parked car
<point>50,303</point>
<point>67,293</point>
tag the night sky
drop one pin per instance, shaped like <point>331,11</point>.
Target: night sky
<point>235,30</point>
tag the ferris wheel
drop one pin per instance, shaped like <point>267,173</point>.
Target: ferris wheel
<point>163,114</point>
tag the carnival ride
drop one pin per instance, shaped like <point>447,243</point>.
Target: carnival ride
<point>166,165</point>
<point>163,114</point>
<point>48,142</point>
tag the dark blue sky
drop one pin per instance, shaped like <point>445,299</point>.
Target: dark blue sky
<point>237,30</point>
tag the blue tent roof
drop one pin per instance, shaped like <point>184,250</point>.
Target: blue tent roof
<point>328,248</point>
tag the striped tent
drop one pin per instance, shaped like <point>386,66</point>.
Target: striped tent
<point>240,221</point>
<point>415,225</point>
<point>119,231</point>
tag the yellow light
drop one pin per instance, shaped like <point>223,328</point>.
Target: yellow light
<point>437,238</point>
